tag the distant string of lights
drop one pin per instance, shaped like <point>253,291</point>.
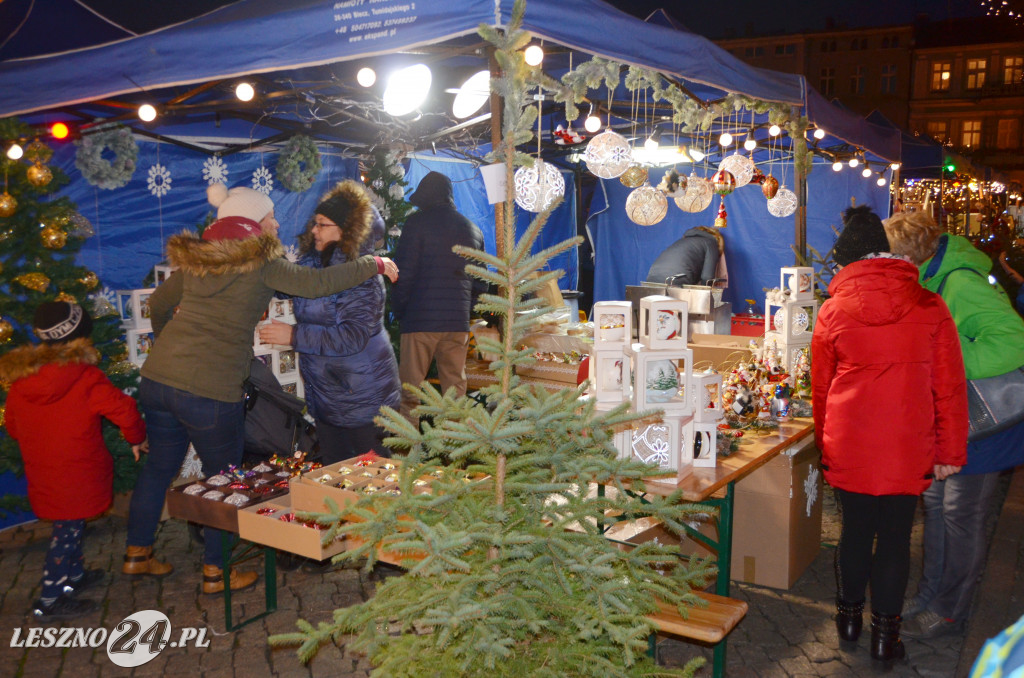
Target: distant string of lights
<point>1012,10</point>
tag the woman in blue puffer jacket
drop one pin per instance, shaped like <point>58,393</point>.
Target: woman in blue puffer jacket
<point>347,362</point>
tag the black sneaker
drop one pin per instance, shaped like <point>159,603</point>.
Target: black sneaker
<point>89,579</point>
<point>65,607</point>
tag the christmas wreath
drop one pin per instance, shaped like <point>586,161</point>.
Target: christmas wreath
<point>101,172</point>
<point>299,164</point>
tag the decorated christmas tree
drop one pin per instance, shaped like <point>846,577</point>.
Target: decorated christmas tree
<point>508,569</point>
<point>40,235</point>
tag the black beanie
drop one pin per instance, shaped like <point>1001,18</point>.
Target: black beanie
<point>862,235</point>
<point>336,209</point>
<point>59,321</point>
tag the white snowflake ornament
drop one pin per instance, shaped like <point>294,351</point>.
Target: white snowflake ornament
<point>159,180</point>
<point>215,171</point>
<point>262,181</point>
<point>291,253</point>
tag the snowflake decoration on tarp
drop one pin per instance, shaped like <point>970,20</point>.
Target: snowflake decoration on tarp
<point>159,181</point>
<point>103,302</point>
<point>215,171</point>
<point>262,181</point>
<point>291,253</point>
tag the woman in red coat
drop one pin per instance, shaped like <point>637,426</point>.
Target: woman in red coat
<point>890,407</point>
<point>55,407</point>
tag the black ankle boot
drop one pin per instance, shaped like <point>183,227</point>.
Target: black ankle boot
<point>849,621</point>
<point>886,646</point>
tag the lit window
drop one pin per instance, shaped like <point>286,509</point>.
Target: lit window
<point>1013,70</point>
<point>941,72</point>
<point>971,136</point>
<point>938,130</point>
<point>976,73</point>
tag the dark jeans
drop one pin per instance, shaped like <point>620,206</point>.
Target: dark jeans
<point>889,518</point>
<point>63,559</point>
<point>174,418</point>
<point>337,443</point>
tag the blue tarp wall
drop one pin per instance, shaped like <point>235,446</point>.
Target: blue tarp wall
<point>757,244</point>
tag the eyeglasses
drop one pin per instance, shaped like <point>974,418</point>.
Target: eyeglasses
<point>324,224</point>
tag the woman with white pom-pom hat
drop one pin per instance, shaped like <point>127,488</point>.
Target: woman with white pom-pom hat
<point>191,387</point>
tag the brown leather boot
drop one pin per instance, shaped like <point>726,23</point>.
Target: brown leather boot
<point>213,579</point>
<point>139,560</point>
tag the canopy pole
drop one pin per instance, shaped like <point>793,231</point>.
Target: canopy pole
<point>496,120</point>
<point>800,222</point>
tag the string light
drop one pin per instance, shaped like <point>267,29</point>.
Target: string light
<point>774,131</point>
<point>819,133</point>
<point>534,55</point>
<point>854,162</point>
<point>592,124</point>
<point>366,76</point>
<point>15,151</point>
<point>895,166</point>
<point>147,112</point>
<point>244,91</point>
<point>750,143</point>
<point>837,166</point>
<point>725,140</point>
<point>881,180</point>
<point>866,172</point>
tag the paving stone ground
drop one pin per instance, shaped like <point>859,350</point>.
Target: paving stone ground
<point>785,634</point>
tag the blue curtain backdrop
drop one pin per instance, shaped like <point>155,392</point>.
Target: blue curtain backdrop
<point>757,244</point>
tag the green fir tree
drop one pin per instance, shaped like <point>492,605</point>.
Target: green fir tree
<point>38,245</point>
<point>508,569</point>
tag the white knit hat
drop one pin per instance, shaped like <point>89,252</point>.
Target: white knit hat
<point>239,202</point>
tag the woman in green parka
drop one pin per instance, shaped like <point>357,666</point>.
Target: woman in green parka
<point>992,341</point>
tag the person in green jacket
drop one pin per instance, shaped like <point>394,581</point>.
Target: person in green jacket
<point>204,316</point>
<point>992,341</point>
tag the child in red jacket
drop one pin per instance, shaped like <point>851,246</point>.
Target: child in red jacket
<point>55,406</point>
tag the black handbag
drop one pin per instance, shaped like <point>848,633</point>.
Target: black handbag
<point>996,403</point>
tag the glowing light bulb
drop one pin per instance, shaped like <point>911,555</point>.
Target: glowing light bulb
<point>534,55</point>
<point>245,92</point>
<point>881,181</point>
<point>651,144</point>
<point>147,113</point>
<point>895,166</point>
<point>854,162</point>
<point>366,77</point>
<point>725,139</point>
<point>406,90</point>
<point>696,155</point>
<point>592,124</point>
<point>866,172</point>
<point>774,130</point>
<point>15,152</point>
<point>836,166</point>
<point>819,133</point>
<point>750,144</point>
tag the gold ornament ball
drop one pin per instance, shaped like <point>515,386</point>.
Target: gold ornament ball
<point>6,331</point>
<point>34,281</point>
<point>7,204</point>
<point>39,175</point>
<point>89,280</point>
<point>770,187</point>
<point>53,238</point>
<point>634,177</point>
<point>64,296</point>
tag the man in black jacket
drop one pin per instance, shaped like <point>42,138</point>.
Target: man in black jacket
<point>691,260</point>
<point>434,296</point>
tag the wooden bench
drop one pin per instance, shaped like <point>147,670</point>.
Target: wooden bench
<point>710,624</point>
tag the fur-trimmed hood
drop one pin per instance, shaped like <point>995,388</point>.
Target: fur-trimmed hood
<point>26,361</point>
<point>201,257</point>
<point>351,199</point>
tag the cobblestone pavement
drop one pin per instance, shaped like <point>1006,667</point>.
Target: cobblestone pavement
<point>786,633</point>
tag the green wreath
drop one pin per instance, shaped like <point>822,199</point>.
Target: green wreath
<point>101,172</point>
<point>298,164</point>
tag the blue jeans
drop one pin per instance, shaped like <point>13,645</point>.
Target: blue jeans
<point>955,543</point>
<point>174,418</point>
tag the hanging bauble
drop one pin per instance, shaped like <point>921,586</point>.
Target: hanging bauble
<point>64,296</point>
<point>53,238</point>
<point>79,226</point>
<point>39,175</point>
<point>6,331</point>
<point>539,186</point>
<point>6,234</point>
<point>101,306</point>
<point>122,367</point>
<point>721,219</point>
<point>634,177</point>
<point>723,182</point>
<point>758,177</point>
<point>608,155</point>
<point>770,187</point>
<point>698,194</point>
<point>7,204</point>
<point>37,151</point>
<point>740,166</point>
<point>33,281</point>
<point>89,280</point>
<point>673,185</point>
<point>783,204</point>
<point>646,206</point>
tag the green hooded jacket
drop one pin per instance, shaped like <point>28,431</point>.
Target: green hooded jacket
<point>991,332</point>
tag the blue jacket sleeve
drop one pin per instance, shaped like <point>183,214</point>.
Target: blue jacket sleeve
<point>358,313</point>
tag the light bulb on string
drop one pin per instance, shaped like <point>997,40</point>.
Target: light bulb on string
<point>725,140</point>
<point>837,166</point>
<point>147,112</point>
<point>881,181</point>
<point>854,162</point>
<point>592,124</point>
<point>534,55</point>
<point>819,133</point>
<point>750,143</point>
<point>774,131</point>
<point>244,91</point>
<point>866,172</point>
<point>15,151</point>
<point>366,76</point>
<point>654,141</point>
<point>895,166</point>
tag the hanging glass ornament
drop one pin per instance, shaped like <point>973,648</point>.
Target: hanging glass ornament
<point>740,166</point>
<point>634,177</point>
<point>608,155</point>
<point>101,306</point>
<point>721,221</point>
<point>673,185</point>
<point>53,238</point>
<point>33,281</point>
<point>698,194</point>
<point>646,206</point>
<point>79,226</point>
<point>783,204</point>
<point>770,187</point>
<point>89,280</point>
<point>39,175</point>
<point>723,182</point>
<point>38,152</point>
<point>758,177</point>
<point>6,331</point>
<point>8,204</point>
<point>538,186</point>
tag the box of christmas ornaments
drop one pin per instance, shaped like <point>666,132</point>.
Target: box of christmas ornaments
<point>281,359</point>
<point>344,483</point>
<point>274,523</point>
